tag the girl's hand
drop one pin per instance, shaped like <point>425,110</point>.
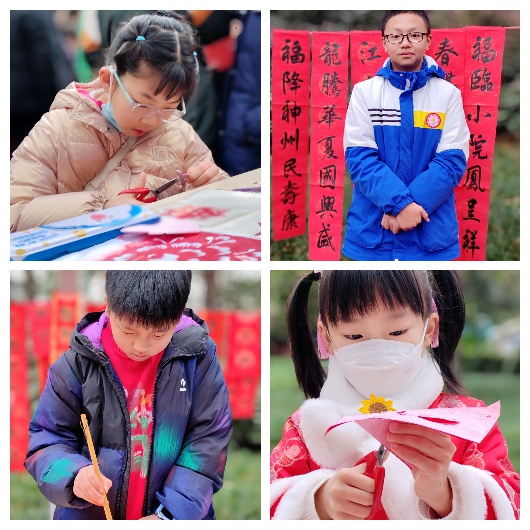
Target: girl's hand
<point>347,495</point>
<point>204,173</point>
<point>154,517</point>
<point>127,198</point>
<point>88,487</point>
<point>389,222</point>
<point>431,452</point>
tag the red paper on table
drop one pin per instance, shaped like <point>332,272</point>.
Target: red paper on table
<point>205,246</point>
<point>19,398</point>
<point>484,49</point>
<point>290,131</point>
<point>40,317</point>
<point>468,423</point>
<point>64,317</point>
<point>329,89</point>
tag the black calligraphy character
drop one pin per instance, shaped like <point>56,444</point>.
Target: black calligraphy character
<point>476,117</point>
<point>296,52</point>
<point>289,139</point>
<point>290,192</point>
<point>289,220</point>
<point>290,167</point>
<point>328,147</point>
<point>327,205</point>
<point>367,54</point>
<point>470,241</point>
<point>292,81</point>
<point>325,239</point>
<point>330,56</point>
<point>486,54</point>
<point>476,78</point>
<point>471,210</point>
<point>477,144</point>
<point>328,177</point>
<point>474,178</point>
<point>449,77</point>
<point>444,50</point>
<point>329,116</point>
<point>330,84</point>
<point>293,112</point>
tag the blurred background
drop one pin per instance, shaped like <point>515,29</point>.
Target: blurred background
<point>503,241</point>
<point>486,361</point>
<point>46,305</point>
<point>58,47</point>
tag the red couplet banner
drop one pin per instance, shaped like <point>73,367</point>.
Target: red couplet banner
<point>39,314</point>
<point>472,60</point>
<point>19,398</point>
<point>329,91</point>
<point>484,50</point>
<point>290,131</point>
<point>65,314</point>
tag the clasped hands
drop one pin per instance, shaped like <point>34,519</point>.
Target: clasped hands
<point>408,218</point>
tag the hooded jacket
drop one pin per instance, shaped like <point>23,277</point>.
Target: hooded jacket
<point>72,143</point>
<point>406,140</point>
<point>191,428</point>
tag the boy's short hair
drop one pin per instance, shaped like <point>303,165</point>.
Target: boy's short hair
<point>148,298</point>
<point>390,14</point>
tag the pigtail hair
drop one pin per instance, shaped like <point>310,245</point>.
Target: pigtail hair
<point>309,371</point>
<point>449,298</point>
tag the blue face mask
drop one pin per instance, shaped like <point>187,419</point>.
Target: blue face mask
<point>107,111</point>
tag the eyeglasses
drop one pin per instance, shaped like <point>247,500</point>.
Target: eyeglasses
<point>146,111</point>
<point>411,37</point>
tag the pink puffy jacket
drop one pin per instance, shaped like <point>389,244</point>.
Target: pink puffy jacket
<point>72,143</point>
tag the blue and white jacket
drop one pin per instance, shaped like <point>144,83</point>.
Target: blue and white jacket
<point>406,140</point>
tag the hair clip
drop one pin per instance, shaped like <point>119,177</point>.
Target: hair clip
<point>140,37</point>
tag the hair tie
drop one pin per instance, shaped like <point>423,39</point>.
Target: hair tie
<point>140,37</point>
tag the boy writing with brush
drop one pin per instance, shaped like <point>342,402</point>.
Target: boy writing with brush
<point>145,373</point>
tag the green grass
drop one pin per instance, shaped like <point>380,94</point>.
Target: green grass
<point>286,397</point>
<point>503,242</point>
<point>239,498</point>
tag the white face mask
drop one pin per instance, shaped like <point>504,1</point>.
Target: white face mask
<point>379,366</point>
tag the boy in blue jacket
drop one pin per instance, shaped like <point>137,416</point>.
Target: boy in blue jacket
<point>146,374</point>
<point>406,144</point>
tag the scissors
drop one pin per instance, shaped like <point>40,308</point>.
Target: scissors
<point>141,193</point>
<point>375,470</point>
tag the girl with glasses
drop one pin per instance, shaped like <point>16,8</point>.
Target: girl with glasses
<point>138,99</point>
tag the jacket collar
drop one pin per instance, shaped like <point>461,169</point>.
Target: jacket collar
<point>86,339</point>
<point>411,80</point>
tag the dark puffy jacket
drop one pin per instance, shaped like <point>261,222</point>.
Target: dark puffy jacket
<point>191,428</point>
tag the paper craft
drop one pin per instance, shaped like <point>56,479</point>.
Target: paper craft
<point>468,423</point>
<point>166,225</point>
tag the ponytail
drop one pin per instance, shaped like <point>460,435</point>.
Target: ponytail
<point>449,299</point>
<point>309,371</point>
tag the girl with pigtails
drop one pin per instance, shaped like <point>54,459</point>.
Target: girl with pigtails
<point>390,337</point>
<point>122,131</point>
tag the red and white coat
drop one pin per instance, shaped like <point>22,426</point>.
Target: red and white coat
<point>483,481</point>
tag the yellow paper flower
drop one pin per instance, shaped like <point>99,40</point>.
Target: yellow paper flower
<point>376,404</point>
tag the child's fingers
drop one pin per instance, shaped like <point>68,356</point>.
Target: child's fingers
<point>425,215</point>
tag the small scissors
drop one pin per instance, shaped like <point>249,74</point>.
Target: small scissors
<point>141,193</point>
<point>375,470</point>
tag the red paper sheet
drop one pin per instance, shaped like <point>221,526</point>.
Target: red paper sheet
<point>329,89</point>
<point>290,131</point>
